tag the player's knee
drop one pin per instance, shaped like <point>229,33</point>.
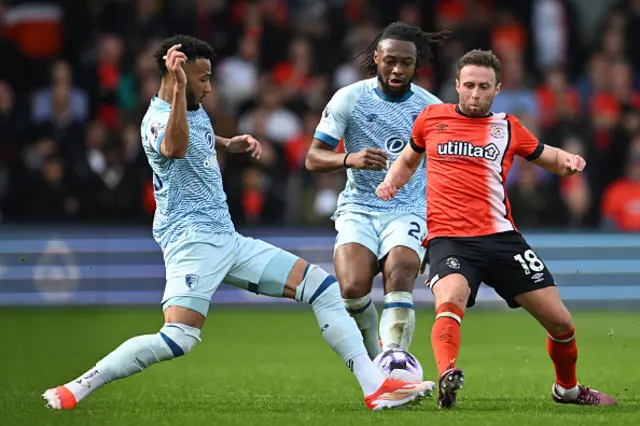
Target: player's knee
<point>354,289</point>
<point>559,323</point>
<point>179,338</point>
<point>317,285</point>
<point>453,288</point>
<point>355,282</point>
<point>401,274</point>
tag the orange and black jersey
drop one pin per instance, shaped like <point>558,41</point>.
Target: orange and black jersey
<point>468,160</point>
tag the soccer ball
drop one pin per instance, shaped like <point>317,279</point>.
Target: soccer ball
<point>397,359</point>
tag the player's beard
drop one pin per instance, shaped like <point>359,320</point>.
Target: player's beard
<point>482,109</point>
<point>192,100</point>
<point>394,93</point>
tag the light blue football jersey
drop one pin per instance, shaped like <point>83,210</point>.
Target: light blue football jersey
<point>366,118</point>
<point>188,191</point>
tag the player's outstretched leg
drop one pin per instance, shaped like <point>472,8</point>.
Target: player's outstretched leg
<point>172,341</point>
<point>281,274</point>
<point>451,294</point>
<point>321,290</point>
<point>401,267</point>
<point>356,283</point>
<point>547,307</point>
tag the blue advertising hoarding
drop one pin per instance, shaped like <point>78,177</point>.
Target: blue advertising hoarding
<point>124,266</point>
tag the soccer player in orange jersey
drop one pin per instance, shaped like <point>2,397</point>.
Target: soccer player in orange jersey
<point>472,237</point>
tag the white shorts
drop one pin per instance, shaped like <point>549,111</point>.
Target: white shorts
<point>380,232</point>
<point>196,267</point>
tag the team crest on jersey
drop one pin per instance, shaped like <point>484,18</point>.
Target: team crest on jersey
<point>453,263</point>
<point>191,280</point>
<point>496,132</point>
<point>394,145</point>
<point>155,129</point>
<point>325,114</point>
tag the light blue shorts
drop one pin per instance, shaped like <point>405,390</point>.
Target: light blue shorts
<point>195,268</point>
<point>380,232</point>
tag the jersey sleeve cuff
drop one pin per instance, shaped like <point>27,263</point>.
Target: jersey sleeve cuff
<point>415,147</point>
<point>329,140</point>
<point>536,153</point>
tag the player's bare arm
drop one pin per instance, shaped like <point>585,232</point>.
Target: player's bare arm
<point>560,162</point>
<point>176,139</point>
<point>322,158</point>
<point>241,144</point>
<point>400,173</point>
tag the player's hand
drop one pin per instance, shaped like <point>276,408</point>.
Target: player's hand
<point>368,159</point>
<point>386,191</point>
<point>574,164</point>
<point>173,61</point>
<point>245,143</point>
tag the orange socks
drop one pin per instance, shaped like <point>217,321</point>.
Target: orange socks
<point>564,354</point>
<point>445,340</point>
<point>445,335</point>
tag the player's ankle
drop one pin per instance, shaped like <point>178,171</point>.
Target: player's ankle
<point>565,387</point>
<point>566,391</point>
<point>87,383</point>
<point>367,374</point>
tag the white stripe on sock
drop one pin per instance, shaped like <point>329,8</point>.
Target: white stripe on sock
<point>561,340</point>
<point>449,315</point>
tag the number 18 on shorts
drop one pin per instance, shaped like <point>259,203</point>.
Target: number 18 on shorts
<point>503,261</point>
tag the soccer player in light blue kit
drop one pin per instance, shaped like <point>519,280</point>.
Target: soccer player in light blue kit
<point>375,117</point>
<point>201,247</point>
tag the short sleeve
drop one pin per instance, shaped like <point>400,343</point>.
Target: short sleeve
<point>154,128</point>
<point>417,135</point>
<point>526,145</point>
<point>334,119</point>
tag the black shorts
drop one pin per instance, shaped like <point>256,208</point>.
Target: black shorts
<point>503,261</point>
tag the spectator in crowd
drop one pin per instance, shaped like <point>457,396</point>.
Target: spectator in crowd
<point>80,76</point>
<point>621,201</point>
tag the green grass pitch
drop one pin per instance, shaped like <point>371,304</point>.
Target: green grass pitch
<point>271,367</point>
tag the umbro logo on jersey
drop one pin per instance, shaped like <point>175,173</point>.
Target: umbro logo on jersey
<point>467,149</point>
<point>372,117</point>
<point>442,127</point>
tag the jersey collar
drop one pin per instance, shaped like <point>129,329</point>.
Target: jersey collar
<point>459,111</point>
<point>388,99</point>
<point>167,105</point>
<point>160,102</point>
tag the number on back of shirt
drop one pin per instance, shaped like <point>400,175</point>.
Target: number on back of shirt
<point>529,262</point>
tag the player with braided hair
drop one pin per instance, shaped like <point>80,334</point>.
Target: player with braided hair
<point>400,31</point>
<point>375,116</point>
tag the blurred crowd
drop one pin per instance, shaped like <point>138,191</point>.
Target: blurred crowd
<point>76,78</point>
